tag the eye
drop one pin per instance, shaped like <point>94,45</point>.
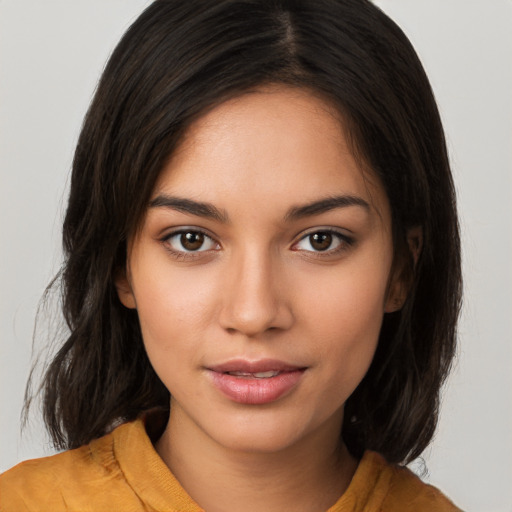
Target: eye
<point>190,241</point>
<point>323,241</point>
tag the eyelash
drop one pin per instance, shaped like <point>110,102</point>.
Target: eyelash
<point>344,242</point>
<point>187,254</point>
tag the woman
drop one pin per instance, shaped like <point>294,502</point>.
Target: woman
<point>263,271</point>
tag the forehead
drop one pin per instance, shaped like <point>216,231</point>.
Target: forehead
<point>276,146</point>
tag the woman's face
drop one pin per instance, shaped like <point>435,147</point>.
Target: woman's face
<point>262,272</point>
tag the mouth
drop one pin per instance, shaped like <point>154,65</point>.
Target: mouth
<point>257,375</point>
<point>255,382</point>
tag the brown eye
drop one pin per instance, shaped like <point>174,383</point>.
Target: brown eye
<point>192,241</point>
<point>328,242</point>
<point>321,241</point>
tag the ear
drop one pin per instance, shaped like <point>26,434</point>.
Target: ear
<point>415,243</point>
<point>402,274</point>
<point>124,289</point>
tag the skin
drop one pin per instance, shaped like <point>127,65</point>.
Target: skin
<point>258,288</point>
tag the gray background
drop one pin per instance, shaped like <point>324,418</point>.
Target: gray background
<point>51,54</point>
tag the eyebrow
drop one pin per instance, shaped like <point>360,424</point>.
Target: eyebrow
<point>197,208</point>
<point>325,205</point>
<point>208,210</point>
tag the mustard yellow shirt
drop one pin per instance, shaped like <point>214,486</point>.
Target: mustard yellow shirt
<point>121,472</point>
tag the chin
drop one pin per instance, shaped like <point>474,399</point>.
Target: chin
<point>266,434</point>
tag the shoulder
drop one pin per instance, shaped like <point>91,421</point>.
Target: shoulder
<point>406,491</point>
<point>378,486</point>
<point>61,482</point>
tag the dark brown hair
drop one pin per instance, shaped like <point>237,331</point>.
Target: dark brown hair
<point>179,59</point>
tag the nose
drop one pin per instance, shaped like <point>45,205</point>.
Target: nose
<point>254,297</point>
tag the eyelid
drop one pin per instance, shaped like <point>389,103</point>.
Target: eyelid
<point>345,241</point>
<point>187,229</point>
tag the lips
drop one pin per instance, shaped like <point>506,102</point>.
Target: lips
<point>257,375</point>
<point>255,382</point>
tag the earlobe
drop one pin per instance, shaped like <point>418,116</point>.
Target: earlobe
<point>397,294</point>
<point>124,290</point>
<point>403,275</point>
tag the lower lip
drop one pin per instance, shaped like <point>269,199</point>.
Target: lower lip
<point>254,391</point>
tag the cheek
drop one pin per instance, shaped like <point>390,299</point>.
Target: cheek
<point>348,301</point>
<point>345,315</point>
<point>173,310</point>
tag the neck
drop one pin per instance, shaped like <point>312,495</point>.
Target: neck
<point>307,476</point>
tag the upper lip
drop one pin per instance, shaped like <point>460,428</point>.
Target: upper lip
<point>262,365</point>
